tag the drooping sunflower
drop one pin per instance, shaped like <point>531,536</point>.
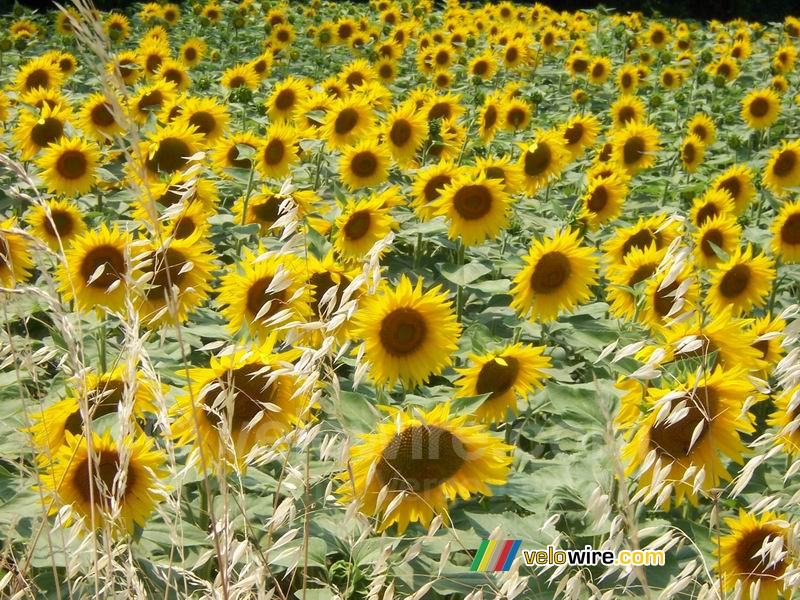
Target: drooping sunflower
<point>364,164</point>
<point>557,276</point>
<point>760,108</point>
<point>710,426</point>
<point>543,160</point>
<point>737,180</point>
<point>635,146</point>
<point>109,480</point>
<point>743,281</point>
<point>97,118</point>
<point>603,200</point>
<point>477,208</point>
<point>241,75</point>
<point>56,222</point>
<point>39,72</point>
<point>16,262</point>
<point>175,279</point>
<point>428,185</point>
<point>278,151</point>
<point>692,153</point>
<point>627,109</point>
<point>409,335</point>
<point>786,232</point>
<point>361,225</point>
<point>506,375</point>
<point>264,295</point>
<point>703,127</point>
<point>347,120</point>
<point>69,166</point>
<point>243,400</point>
<point>579,133</point>
<point>286,97</point>
<point>102,394</point>
<point>783,167</point>
<point>743,561</point>
<point>404,132</point>
<point>425,461</point>
<point>656,230</point>
<point>96,268</point>
<point>637,266</point>
<point>35,131</point>
<point>721,231</point>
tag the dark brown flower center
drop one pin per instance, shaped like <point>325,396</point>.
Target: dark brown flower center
<point>712,236</point>
<point>166,268</point>
<point>512,54</point>
<point>184,227</point>
<point>757,567</point>
<point>153,62</point>
<point>641,273</point>
<point>626,113</point>
<point>400,132</point>
<point>190,53</point>
<point>435,185</point>
<point>364,164</point>
<point>47,131</point>
<point>236,81</point>
<point>473,202</point>
<point>552,270</point>
<point>108,256</point>
<point>203,121</point>
<point>440,110</point>
<point>537,161</point>
<point>480,67</point>
<point>732,185</point>
<point>95,481</point>
<point>355,79</point>
<point>419,459</point>
<point>735,281</point>
<point>257,298</point>
<point>357,225</point>
<point>346,121</point>
<point>689,153</point>
<point>633,150</point>
<point>641,240</point>
<point>234,160</point>
<point>101,115</point>
<point>63,222</point>
<point>516,116</point>
<point>496,378</point>
<point>598,199</point>
<point>150,100</point>
<point>240,396</point>
<point>285,99</point>
<point>38,78</point>
<point>274,151</point>
<point>403,331</point>
<point>759,107</point>
<point>580,65</point>
<point>72,164</point>
<point>574,134</point>
<point>172,154</point>
<point>790,231</point>
<point>664,299</point>
<point>104,400</point>
<point>674,440</point>
<point>269,210</point>
<point>489,117</point>
<point>785,163</point>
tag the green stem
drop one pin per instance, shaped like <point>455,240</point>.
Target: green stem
<point>418,251</point>
<point>460,291</point>
<point>247,193</point>
<point>101,345</point>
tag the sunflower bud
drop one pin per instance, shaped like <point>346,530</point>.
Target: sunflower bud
<point>702,77</point>
<point>656,100</point>
<point>719,81</point>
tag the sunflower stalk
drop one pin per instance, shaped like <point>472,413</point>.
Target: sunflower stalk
<point>460,290</point>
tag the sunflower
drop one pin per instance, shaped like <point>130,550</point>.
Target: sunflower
<point>38,72</point>
<point>109,485</point>
<point>267,206</point>
<point>404,132</point>
<point>768,334</point>
<point>507,374</point>
<point>286,97</point>
<point>516,114</point>
<point>16,262</point>
<point>35,131</point>
<point>578,64</point>
<point>489,117</point>
<point>265,295</point>
<point>692,153</point>
<point>638,265</point>
<point>149,99</point>
<point>664,302</point>
<point>125,65</point>
<point>206,116</point>
<point>625,110</point>
<point>635,146</point>
<point>96,268</point>
<point>191,52</point>
<point>428,185</point>
<point>69,166</point>
<point>169,149</point>
<point>502,169</point>
<point>744,563</point>
<point>282,36</point>
<point>599,70</point>
<point>603,200</point>
<point>628,79</point>
<point>484,65</point>
<point>477,208</point>
<point>447,106</point>
<point>235,152</point>
<point>786,232</point>
<point>655,230</point>
<point>452,460</point>
<point>785,59</point>
<point>721,231</point>
<point>101,395</point>
<point>330,283</point>
<point>175,277</point>
<point>657,36</point>
<point>241,75</point>
<point>278,151</point>
<point>179,188</point>
<point>241,401</point>
<point>743,281</point>
<point>97,118</point>
<point>783,167</point>
<point>152,54</point>
<point>365,164</point>
<point>543,160</point>
<point>738,182</point>
<point>408,335</point>
<point>346,121</point>
<point>117,26</point>
<point>710,407</point>
<point>671,78</point>
<point>579,133</point>
<point>386,68</point>
<point>760,108</point>
<point>56,222</point>
<point>702,127</point>
<point>361,225</point>
<point>557,275</point>
<point>40,96</point>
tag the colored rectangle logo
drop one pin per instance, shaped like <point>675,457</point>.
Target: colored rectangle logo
<point>495,555</point>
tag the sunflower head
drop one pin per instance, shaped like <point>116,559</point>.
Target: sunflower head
<point>56,222</point>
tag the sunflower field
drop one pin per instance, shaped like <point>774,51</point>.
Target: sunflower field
<point>320,300</point>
